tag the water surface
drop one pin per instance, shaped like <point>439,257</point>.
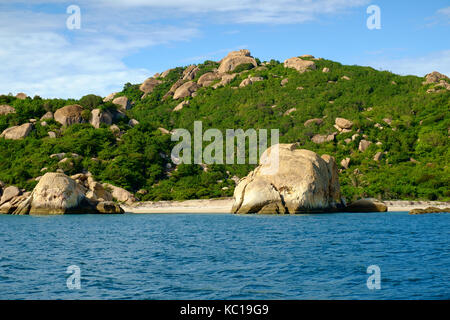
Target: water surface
<point>189,256</point>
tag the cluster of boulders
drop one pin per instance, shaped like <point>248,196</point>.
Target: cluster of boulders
<point>186,86</point>
<point>57,193</point>
<point>429,210</point>
<point>439,79</point>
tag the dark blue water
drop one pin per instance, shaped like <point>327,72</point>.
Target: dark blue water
<point>181,256</point>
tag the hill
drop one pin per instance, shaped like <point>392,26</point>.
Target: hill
<point>397,146</point>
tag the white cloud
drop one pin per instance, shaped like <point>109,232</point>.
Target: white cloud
<point>419,66</point>
<point>444,11</point>
<point>39,56</point>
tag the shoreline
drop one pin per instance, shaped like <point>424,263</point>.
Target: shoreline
<point>223,205</point>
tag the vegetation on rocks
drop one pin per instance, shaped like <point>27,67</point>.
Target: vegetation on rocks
<point>407,124</point>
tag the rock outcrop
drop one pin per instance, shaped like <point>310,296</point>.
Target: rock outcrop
<point>235,59</point>
<point>435,77</point>
<point>120,194</point>
<point>304,182</point>
<point>299,64</point>
<point>207,79</point>
<point>69,115</point>
<point>343,123</point>
<point>316,121</point>
<point>185,90</point>
<point>21,96</point>
<point>17,132</point>
<point>98,117</point>
<point>6,109</point>
<point>149,85</point>
<point>57,194</point>
<point>9,193</point>
<point>123,103</point>
<point>47,116</point>
<point>190,72</point>
<point>250,81</point>
<point>367,205</point>
<point>429,210</point>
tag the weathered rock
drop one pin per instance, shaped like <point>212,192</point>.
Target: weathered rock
<point>378,156</point>
<point>11,206</point>
<point>284,82</point>
<point>190,72</point>
<point>109,207</point>
<point>69,115</point>
<point>21,96</point>
<point>47,116</point>
<point>17,132</point>
<point>9,193</point>
<point>316,121</point>
<point>181,105</point>
<point>321,138</point>
<point>429,210</point>
<point>367,205</point>
<point>208,78</point>
<point>120,194</point>
<point>109,97</point>
<point>185,90</point>
<point>288,112</point>
<point>345,163</point>
<point>52,134</point>
<point>299,64</point>
<point>165,73</point>
<point>434,77</point>
<point>345,78</point>
<point>363,145</point>
<point>56,193</point>
<point>164,130</point>
<point>123,103</point>
<point>225,79</point>
<point>133,122</point>
<point>343,123</point>
<point>235,59</point>
<point>98,117</point>
<point>325,70</point>
<point>6,109</point>
<point>149,85</point>
<point>304,182</point>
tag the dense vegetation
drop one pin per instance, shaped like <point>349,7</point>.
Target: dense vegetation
<point>416,142</point>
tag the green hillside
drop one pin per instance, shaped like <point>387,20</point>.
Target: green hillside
<point>414,137</point>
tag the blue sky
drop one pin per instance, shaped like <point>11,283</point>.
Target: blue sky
<point>129,40</point>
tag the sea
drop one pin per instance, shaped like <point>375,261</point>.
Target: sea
<point>337,256</point>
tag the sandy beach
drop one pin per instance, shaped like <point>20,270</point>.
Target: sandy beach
<point>223,205</point>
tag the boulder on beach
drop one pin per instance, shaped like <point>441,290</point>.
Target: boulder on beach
<point>120,194</point>
<point>429,210</point>
<point>303,182</point>
<point>69,115</point>
<point>366,205</point>
<point>57,194</point>
<point>235,59</point>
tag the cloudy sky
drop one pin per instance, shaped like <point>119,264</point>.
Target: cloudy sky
<point>123,41</point>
